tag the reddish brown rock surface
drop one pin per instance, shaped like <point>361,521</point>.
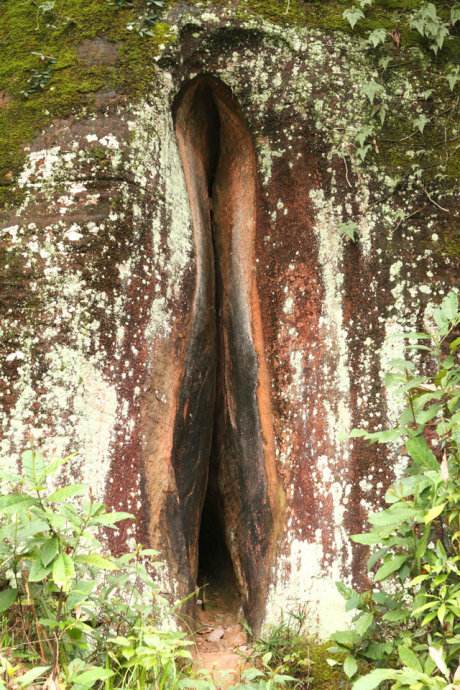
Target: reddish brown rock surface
<point>180,306</point>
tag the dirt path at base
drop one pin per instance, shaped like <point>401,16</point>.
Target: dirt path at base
<point>221,642</point>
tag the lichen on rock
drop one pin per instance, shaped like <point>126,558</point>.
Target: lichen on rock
<point>98,264</point>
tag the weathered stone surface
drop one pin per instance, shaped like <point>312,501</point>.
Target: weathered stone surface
<point>97,51</point>
<point>4,99</point>
<point>108,322</point>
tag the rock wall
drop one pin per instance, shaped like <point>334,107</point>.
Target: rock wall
<point>108,312</point>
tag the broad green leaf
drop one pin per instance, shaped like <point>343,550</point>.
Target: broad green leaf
<point>377,651</point>
<point>390,566</point>
<point>371,89</point>
<point>49,550</point>
<point>441,613</point>
<point>38,571</point>
<point>350,666</point>
<point>396,615</point>
<point>366,538</point>
<point>16,502</point>
<point>353,15</point>
<point>349,229</point>
<point>91,676</point>
<point>421,122</point>
<point>398,513</point>
<point>97,561</point>
<point>7,598</point>
<point>434,512</point>
<point>421,454</point>
<point>32,675</point>
<point>449,306</point>
<point>437,654</point>
<point>108,519</point>
<point>363,623</point>
<point>405,487</point>
<point>347,638</point>
<point>372,680</point>
<point>67,492</point>
<point>63,571</point>
<point>424,607</point>
<point>455,14</point>
<point>409,658</point>
<point>79,593</point>
<point>377,37</point>
<point>377,436</point>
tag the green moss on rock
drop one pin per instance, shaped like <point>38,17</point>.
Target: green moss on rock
<point>324,676</point>
<point>32,42</point>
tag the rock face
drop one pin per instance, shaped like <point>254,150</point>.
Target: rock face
<point>180,306</point>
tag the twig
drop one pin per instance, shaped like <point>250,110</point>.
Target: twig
<point>435,203</point>
<point>403,220</point>
<point>346,171</point>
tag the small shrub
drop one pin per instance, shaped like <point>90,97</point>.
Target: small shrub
<point>407,626</point>
<point>71,616</point>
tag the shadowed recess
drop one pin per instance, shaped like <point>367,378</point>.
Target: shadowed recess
<point>223,449</point>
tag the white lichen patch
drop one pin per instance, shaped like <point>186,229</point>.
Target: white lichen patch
<point>300,581</point>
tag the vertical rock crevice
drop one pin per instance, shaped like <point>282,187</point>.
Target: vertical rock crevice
<point>223,457</point>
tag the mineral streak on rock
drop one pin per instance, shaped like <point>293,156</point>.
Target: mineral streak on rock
<point>108,326</point>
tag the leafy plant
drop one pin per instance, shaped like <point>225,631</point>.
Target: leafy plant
<point>41,76</point>
<point>73,617</point>
<point>409,628</point>
<point>147,20</point>
<point>428,23</point>
<point>285,648</point>
<point>68,611</point>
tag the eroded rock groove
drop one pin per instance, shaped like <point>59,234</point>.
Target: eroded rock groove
<point>222,456</point>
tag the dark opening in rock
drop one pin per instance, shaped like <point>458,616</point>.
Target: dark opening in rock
<point>223,457</point>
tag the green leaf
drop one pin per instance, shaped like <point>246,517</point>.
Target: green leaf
<point>421,454</point>
<point>366,538</point>
<point>434,512</point>
<point>32,675</point>
<point>421,122</point>
<point>79,593</point>
<point>455,14</point>
<point>15,502</point>
<point>371,89</point>
<point>350,666</point>
<point>67,492</point>
<point>33,467</point>
<point>353,15</point>
<point>49,551</point>
<point>409,658</point>
<point>390,566</point>
<point>395,515</point>
<point>363,623</point>
<point>372,680</point>
<point>449,306</point>
<point>377,37</point>
<point>349,229</point>
<point>97,561</point>
<point>437,654</point>
<point>7,598</point>
<point>38,572</point>
<point>346,638</point>
<point>108,519</point>
<point>396,616</point>
<point>91,676</point>
<point>63,571</point>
